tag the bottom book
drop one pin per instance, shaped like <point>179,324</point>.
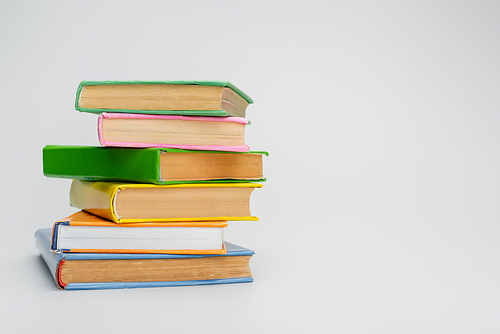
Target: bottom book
<point>89,271</point>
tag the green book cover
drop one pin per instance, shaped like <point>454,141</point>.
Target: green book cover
<point>144,165</point>
<point>162,112</point>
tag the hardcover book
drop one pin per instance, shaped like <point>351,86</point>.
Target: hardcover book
<point>87,271</point>
<point>85,233</point>
<point>133,203</point>
<point>150,165</point>
<point>173,131</point>
<point>198,98</point>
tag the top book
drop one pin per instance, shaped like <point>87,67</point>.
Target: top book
<point>196,98</point>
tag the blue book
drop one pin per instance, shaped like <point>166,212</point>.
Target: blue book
<point>91,271</point>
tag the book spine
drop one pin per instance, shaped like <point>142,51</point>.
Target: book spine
<point>77,99</point>
<point>102,164</point>
<point>55,232</point>
<point>94,197</point>
<point>51,259</point>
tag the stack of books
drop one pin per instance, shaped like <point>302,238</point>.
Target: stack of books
<point>155,198</point>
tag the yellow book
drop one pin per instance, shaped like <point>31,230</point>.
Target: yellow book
<point>132,202</point>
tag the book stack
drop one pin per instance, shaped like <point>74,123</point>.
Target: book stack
<point>155,198</point>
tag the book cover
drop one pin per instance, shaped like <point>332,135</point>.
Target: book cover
<point>128,236</point>
<point>133,131</point>
<point>55,261</point>
<point>101,199</point>
<point>203,112</point>
<point>95,163</point>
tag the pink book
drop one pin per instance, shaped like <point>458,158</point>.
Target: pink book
<point>173,131</point>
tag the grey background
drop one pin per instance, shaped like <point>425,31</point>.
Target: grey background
<point>381,209</point>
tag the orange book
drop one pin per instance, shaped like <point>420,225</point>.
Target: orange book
<point>86,233</point>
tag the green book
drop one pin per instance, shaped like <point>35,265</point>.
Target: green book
<point>195,98</point>
<point>151,165</point>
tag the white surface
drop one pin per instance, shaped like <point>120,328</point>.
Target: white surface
<point>389,110</point>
